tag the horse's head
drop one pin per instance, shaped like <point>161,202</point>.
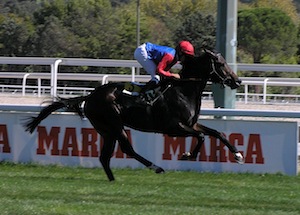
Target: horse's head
<point>221,72</point>
<point>210,66</point>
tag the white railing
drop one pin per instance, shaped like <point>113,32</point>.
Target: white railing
<point>265,82</point>
<point>55,63</point>
<point>105,78</point>
<point>54,74</point>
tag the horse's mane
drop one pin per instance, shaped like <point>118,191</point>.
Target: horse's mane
<point>195,67</point>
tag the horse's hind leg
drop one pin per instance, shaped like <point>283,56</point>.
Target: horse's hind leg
<point>106,154</point>
<point>127,148</point>
<point>191,131</point>
<point>193,155</point>
<point>208,131</point>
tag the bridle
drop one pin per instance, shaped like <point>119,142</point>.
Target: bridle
<point>217,70</point>
<point>222,79</point>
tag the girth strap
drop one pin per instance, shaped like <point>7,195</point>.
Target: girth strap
<point>160,94</point>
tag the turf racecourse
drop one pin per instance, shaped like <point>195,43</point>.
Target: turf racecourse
<point>33,189</point>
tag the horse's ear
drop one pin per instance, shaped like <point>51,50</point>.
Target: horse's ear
<point>207,51</point>
<point>216,55</point>
<point>211,53</point>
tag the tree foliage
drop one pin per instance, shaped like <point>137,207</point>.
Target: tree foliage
<point>15,35</point>
<point>173,14</point>
<point>78,29</point>
<point>286,6</point>
<point>107,28</point>
<point>192,30</point>
<point>265,31</point>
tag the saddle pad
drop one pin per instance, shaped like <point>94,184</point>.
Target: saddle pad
<point>133,87</point>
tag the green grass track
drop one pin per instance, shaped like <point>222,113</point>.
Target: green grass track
<point>33,189</point>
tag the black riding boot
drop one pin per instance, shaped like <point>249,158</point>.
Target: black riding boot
<point>147,93</point>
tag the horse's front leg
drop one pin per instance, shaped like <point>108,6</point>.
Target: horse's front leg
<point>211,132</point>
<point>127,148</point>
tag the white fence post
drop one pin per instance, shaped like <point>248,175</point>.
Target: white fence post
<point>39,87</point>
<point>265,91</point>
<point>24,83</point>
<point>54,71</point>
<point>133,74</point>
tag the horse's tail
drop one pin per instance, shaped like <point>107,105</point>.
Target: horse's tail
<point>71,104</point>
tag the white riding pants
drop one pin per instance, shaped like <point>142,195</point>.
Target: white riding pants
<point>141,55</point>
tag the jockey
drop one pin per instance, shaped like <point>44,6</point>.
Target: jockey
<point>157,60</point>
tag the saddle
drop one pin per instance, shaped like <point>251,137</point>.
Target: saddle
<point>145,93</point>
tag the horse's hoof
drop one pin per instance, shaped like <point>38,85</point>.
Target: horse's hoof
<point>239,158</point>
<point>159,170</point>
<point>111,179</point>
<point>185,156</point>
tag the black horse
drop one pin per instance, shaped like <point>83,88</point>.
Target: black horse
<point>174,111</point>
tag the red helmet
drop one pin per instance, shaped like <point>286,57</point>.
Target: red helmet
<point>186,47</point>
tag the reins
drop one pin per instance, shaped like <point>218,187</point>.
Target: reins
<point>190,79</point>
<point>170,85</point>
<point>214,71</point>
